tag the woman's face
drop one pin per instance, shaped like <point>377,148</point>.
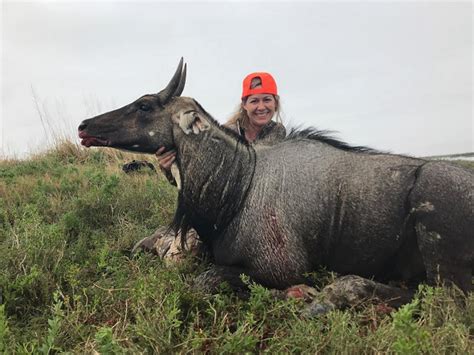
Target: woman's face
<point>260,109</point>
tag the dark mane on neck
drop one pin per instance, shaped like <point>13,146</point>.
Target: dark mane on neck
<point>185,218</point>
<point>325,136</point>
<point>180,224</point>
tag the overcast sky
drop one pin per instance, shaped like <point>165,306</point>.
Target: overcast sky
<point>394,76</point>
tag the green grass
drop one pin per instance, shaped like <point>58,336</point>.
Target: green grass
<point>464,163</point>
<point>68,219</point>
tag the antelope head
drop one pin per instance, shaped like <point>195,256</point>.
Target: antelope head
<point>147,123</point>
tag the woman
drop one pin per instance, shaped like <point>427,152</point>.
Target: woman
<point>254,122</point>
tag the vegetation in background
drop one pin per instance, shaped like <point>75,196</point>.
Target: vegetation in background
<point>68,219</point>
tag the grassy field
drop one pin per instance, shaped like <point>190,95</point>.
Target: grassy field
<point>68,219</point>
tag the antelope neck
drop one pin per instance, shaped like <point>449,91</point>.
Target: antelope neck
<point>216,172</point>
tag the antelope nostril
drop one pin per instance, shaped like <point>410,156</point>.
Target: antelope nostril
<point>82,126</point>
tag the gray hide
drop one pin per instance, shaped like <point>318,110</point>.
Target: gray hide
<point>277,213</point>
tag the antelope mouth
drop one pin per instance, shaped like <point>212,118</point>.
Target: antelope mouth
<point>89,141</point>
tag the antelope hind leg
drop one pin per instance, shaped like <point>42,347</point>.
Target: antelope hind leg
<point>352,290</point>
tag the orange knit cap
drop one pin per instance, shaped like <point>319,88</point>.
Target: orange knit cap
<point>268,85</point>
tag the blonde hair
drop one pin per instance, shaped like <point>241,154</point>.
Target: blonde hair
<point>240,117</point>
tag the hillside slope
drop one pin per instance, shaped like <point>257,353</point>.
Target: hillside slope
<point>68,219</point>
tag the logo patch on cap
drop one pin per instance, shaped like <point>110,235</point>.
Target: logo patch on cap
<point>259,83</point>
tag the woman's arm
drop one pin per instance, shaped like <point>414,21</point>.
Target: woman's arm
<point>165,160</point>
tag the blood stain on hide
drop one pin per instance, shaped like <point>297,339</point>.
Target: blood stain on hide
<point>275,230</point>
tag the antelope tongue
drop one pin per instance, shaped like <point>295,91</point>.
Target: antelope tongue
<point>93,141</point>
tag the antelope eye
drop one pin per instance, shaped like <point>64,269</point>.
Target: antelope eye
<point>144,107</point>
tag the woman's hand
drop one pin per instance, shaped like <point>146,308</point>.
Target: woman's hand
<point>165,159</point>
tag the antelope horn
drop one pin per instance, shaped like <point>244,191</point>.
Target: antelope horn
<point>182,81</point>
<point>165,94</point>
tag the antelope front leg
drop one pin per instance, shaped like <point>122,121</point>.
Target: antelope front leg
<point>211,280</point>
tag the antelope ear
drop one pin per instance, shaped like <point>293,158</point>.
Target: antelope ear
<point>191,122</point>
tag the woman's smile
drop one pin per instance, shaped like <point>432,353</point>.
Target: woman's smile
<point>260,109</point>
